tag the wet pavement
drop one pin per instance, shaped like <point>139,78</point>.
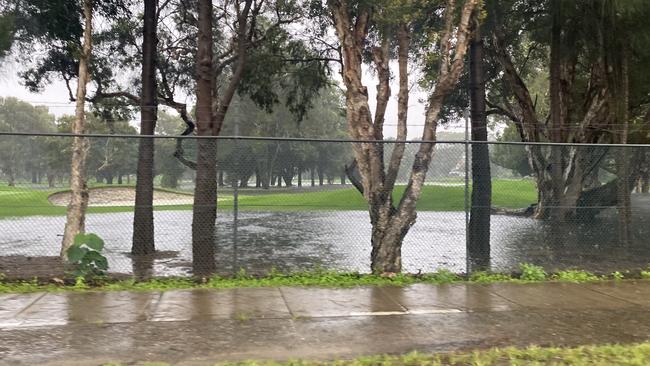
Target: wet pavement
<point>206,326</point>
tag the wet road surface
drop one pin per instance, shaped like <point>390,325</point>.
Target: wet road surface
<point>205,326</point>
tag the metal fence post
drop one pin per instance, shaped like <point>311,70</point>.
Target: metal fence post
<point>468,262</point>
<point>236,192</point>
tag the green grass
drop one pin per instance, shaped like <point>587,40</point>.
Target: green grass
<point>604,355</point>
<point>18,202</point>
<point>321,278</point>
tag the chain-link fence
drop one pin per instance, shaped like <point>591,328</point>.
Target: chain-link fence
<point>292,205</point>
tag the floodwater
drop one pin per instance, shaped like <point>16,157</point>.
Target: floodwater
<point>340,240</point>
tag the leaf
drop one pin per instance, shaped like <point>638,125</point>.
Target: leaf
<point>76,253</point>
<point>79,239</point>
<point>93,241</point>
<point>102,263</point>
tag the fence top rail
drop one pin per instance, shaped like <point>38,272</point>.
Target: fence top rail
<point>304,139</point>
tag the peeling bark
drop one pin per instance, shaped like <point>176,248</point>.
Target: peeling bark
<point>76,215</point>
<point>390,222</point>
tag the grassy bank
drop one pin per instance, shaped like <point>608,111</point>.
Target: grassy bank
<point>528,274</point>
<point>604,355</point>
<point>19,202</point>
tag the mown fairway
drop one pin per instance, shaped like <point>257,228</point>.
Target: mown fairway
<point>19,201</point>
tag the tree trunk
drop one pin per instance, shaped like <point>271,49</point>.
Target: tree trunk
<point>119,179</point>
<point>312,176</point>
<point>390,224</point>
<point>479,223</point>
<point>300,177</point>
<point>11,178</point>
<point>205,192</point>
<point>76,215</point>
<point>222,183</point>
<point>143,224</point>
<point>623,156</point>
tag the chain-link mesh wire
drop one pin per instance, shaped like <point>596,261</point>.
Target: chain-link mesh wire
<point>291,205</point>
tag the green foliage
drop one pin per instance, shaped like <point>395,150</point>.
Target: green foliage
<point>443,276</point>
<point>617,276</point>
<point>575,276</point>
<point>85,255</point>
<point>645,274</point>
<point>511,157</point>
<point>316,278</point>
<point>533,273</point>
<point>604,355</point>
<point>486,277</point>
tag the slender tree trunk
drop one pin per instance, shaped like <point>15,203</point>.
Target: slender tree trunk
<point>119,179</point>
<point>220,178</point>
<point>205,193</point>
<point>479,223</point>
<point>312,176</point>
<point>143,224</point>
<point>299,176</point>
<point>11,177</point>
<point>558,211</point>
<point>622,163</point>
<point>76,215</point>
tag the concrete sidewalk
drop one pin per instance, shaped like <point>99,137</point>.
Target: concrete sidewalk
<point>206,326</point>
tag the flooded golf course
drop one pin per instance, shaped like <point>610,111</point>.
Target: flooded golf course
<point>340,240</point>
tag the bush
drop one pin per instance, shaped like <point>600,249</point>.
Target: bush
<point>531,272</point>
<point>85,255</point>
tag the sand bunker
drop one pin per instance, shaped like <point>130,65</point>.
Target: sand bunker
<point>122,196</point>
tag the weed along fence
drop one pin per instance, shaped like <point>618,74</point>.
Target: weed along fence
<point>291,205</point>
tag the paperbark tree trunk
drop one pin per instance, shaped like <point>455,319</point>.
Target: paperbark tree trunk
<point>479,223</point>
<point>143,224</point>
<point>391,223</point>
<point>76,214</point>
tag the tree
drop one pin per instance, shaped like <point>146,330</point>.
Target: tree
<point>205,193</point>
<point>479,223</point>
<point>143,225</point>
<point>390,222</point>
<point>586,65</point>
<point>23,157</point>
<point>253,40</point>
<point>76,215</point>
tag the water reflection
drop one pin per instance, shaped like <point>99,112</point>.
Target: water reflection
<point>339,240</point>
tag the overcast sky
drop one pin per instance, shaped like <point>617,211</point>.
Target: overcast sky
<point>55,97</point>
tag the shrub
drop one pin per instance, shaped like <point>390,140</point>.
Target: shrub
<point>85,255</point>
<point>531,272</point>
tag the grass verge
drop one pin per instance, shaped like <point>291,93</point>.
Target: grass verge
<point>529,274</point>
<point>604,355</point>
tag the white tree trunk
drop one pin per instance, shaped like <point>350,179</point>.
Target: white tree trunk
<point>76,217</point>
